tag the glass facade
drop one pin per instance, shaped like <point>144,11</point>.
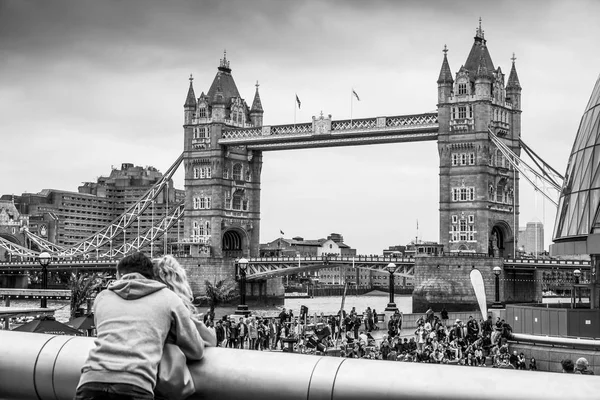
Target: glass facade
<point>578,209</point>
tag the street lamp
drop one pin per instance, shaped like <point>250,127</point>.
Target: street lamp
<point>497,271</point>
<point>242,309</point>
<point>44,260</point>
<point>577,274</point>
<point>391,268</point>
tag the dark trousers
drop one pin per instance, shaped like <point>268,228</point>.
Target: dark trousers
<point>111,391</point>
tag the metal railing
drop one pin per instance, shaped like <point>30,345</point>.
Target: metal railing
<point>574,343</point>
<point>44,367</point>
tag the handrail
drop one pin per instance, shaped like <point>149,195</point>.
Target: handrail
<point>48,367</point>
<point>583,344</point>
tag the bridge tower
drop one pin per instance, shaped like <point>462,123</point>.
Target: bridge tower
<point>479,190</point>
<point>222,184</point>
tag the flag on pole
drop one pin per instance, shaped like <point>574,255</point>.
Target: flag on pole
<point>280,231</point>
<point>354,93</point>
<point>298,101</point>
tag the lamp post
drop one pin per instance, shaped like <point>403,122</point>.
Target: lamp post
<point>497,271</point>
<point>44,260</point>
<point>242,309</point>
<point>577,274</point>
<point>391,268</point>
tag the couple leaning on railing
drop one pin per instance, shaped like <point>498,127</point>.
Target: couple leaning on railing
<point>146,330</point>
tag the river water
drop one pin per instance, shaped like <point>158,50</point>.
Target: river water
<point>327,305</point>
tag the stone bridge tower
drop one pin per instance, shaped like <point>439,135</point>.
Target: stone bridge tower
<point>222,184</point>
<point>479,190</point>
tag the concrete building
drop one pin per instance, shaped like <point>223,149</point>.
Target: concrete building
<point>531,238</point>
<point>66,218</point>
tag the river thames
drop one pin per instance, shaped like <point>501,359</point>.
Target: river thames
<point>326,304</point>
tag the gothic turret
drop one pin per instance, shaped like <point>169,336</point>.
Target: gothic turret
<point>513,87</point>
<point>190,104</point>
<point>483,78</point>
<point>256,112</point>
<point>445,81</point>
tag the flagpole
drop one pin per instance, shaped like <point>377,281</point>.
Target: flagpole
<point>351,103</point>
<point>295,112</point>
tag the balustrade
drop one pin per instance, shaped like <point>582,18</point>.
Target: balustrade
<point>48,367</point>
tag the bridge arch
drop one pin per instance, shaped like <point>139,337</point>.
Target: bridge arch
<point>501,242</point>
<point>234,243</point>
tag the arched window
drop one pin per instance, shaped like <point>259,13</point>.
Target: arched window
<point>500,192</point>
<point>237,202</point>
<point>237,172</point>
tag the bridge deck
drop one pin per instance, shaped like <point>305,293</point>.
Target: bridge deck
<point>323,132</point>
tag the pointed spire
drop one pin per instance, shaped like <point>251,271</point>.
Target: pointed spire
<point>479,33</point>
<point>513,78</point>
<point>445,72</point>
<point>224,64</point>
<point>256,104</point>
<point>190,100</point>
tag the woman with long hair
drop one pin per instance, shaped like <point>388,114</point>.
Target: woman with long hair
<point>168,271</point>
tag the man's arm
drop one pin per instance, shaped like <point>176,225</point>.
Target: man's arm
<point>209,337</point>
<point>186,334</point>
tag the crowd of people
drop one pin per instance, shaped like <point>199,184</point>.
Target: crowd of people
<point>146,318</point>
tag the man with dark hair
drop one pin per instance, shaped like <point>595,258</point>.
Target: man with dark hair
<point>567,366</point>
<point>134,317</point>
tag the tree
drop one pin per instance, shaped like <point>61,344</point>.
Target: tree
<point>82,287</point>
<point>218,293</point>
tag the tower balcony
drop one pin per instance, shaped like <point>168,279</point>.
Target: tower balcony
<point>200,143</point>
<point>203,240</point>
<point>462,125</point>
<point>500,128</point>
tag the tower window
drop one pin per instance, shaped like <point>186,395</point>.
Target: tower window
<point>196,173</point>
<point>237,202</point>
<point>237,172</point>
<point>225,173</point>
<point>228,201</point>
<point>202,112</point>
<point>462,88</point>
<point>462,112</point>
<point>463,194</point>
<point>463,159</point>
<point>454,159</point>
<point>471,158</point>
<point>455,219</point>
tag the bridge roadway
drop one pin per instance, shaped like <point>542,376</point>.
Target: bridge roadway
<point>323,132</point>
<point>39,366</point>
<point>270,267</point>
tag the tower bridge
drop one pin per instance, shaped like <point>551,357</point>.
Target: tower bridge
<point>224,139</point>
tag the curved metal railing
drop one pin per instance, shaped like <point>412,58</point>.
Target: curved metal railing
<point>44,367</point>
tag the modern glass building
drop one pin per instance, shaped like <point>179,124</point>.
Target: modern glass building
<point>578,216</point>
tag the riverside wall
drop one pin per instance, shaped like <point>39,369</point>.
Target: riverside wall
<point>201,269</point>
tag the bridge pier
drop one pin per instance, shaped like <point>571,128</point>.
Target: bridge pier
<point>444,282</point>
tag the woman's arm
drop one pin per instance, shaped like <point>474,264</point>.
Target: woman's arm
<point>209,336</point>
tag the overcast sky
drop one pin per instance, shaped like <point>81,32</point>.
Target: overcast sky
<point>85,85</point>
